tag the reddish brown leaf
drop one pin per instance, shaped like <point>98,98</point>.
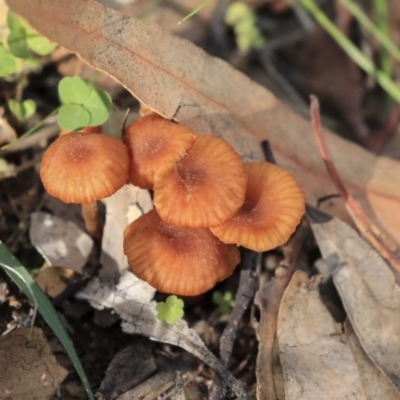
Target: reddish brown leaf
<point>386,247</point>
<point>181,82</point>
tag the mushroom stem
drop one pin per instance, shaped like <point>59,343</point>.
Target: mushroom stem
<point>93,222</point>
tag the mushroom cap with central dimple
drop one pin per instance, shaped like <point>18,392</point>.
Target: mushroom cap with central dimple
<point>178,260</point>
<point>84,167</point>
<point>273,208</point>
<point>204,188</point>
<point>152,142</point>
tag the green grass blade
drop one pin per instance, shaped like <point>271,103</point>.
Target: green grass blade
<point>30,131</point>
<point>18,273</point>
<point>381,33</point>
<point>382,20</point>
<point>385,81</point>
<point>195,11</point>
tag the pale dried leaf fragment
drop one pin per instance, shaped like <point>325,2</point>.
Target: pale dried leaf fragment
<point>60,242</point>
<point>7,133</point>
<point>367,288</point>
<point>376,385</point>
<point>133,303</point>
<point>316,363</point>
<point>123,207</point>
<point>28,369</point>
<point>54,280</point>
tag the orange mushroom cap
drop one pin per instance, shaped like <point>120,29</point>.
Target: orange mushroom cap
<point>152,142</point>
<point>84,167</point>
<point>273,208</point>
<point>178,260</point>
<point>204,188</point>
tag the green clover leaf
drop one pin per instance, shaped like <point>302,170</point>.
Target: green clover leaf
<point>38,44</point>
<point>73,90</point>
<point>171,310</point>
<point>82,104</point>
<point>72,117</point>
<point>22,39</point>
<point>224,301</point>
<point>99,105</point>
<point>8,64</point>
<point>22,110</point>
<point>16,41</point>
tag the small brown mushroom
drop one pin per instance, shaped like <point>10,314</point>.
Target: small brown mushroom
<point>84,167</point>
<point>273,208</point>
<point>152,142</point>
<point>204,188</point>
<point>178,260</point>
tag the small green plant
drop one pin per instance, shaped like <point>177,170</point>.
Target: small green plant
<point>22,109</point>
<point>23,279</point>
<point>171,310</point>
<point>21,43</point>
<point>17,53</point>
<point>243,21</point>
<point>224,301</point>
<point>22,40</point>
<point>8,63</point>
<point>391,87</point>
<point>82,104</point>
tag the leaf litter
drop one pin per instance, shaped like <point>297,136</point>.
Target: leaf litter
<point>367,288</point>
<point>198,92</point>
<point>306,333</point>
<point>315,361</point>
<point>28,369</point>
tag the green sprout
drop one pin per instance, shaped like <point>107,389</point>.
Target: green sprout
<point>82,104</point>
<point>8,64</point>
<point>22,109</point>
<point>23,279</point>
<point>171,310</point>
<point>243,21</point>
<point>224,301</point>
<point>21,43</point>
<point>364,62</point>
<point>23,40</point>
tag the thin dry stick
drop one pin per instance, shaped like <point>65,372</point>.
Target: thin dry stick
<point>245,294</point>
<point>248,285</point>
<point>382,243</point>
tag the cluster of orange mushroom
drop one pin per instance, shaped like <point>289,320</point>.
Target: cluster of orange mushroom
<point>207,200</point>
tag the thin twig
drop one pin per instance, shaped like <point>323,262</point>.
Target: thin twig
<point>382,243</point>
<point>248,285</point>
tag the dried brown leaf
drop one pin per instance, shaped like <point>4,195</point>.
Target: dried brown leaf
<point>316,363</point>
<point>367,288</point>
<point>28,369</point>
<point>54,280</point>
<point>376,385</point>
<point>140,317</point>
<point>181,82</point>
<point>178,80</point>
<point>128,368</point>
